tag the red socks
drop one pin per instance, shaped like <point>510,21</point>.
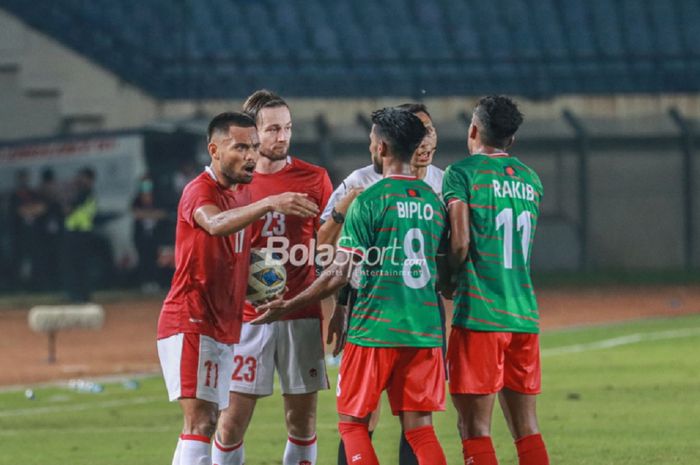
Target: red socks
<point>479,451</point>
<point>358,447</point>
<point>426,446</point>
<point>531,450</point>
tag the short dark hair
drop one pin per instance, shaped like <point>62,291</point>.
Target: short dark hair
<point>223,121</point>
<point>500,118</point>
<point>415,108</point>
<point>260,99</point>
<point>400,129</point>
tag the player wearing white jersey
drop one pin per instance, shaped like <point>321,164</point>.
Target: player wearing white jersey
<point>360,179</point>
<point>364,177</point>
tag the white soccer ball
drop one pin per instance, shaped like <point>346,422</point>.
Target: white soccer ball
<point>267,277</point>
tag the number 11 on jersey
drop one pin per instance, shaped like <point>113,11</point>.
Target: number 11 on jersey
<point>524,225</point>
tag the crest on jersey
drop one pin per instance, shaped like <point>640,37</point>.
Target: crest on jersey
<point>509,170</point>
<point>412,193</point>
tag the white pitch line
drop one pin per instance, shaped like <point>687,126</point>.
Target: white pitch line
<point>79,407</point>
<point>110,430</point>
<point>622,341</point>
<point>571,349</point>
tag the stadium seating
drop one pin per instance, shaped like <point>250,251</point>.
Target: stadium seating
<point>536,48</point>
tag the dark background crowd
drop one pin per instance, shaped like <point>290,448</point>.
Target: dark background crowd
<point>53,237</point>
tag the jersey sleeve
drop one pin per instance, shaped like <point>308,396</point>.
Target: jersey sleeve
<point>538,185</point>
<point>356,236</point>
<point>326,193</point>
<point>455,185</point>
<point>198,195</point>
<point>337,194</point>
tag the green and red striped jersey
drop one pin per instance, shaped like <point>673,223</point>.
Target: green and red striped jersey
<point>397,226</point>
<point>494,290</point>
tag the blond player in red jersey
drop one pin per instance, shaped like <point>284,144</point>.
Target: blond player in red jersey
<point>293,347</point>
<point>201,316</point>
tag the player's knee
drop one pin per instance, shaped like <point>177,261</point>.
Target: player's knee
<point>471,426</point>
<point>201,424</point>
<point>301,422</point>
<point>522,427</point>
<point>225,429</point>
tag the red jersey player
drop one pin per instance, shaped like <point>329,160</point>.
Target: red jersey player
<point>201,316</point>
<point>293,347</point>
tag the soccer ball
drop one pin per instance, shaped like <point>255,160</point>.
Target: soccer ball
<point>267,276</point>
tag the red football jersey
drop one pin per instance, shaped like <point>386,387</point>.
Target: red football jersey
<point>297,176</point>
<point>211,273</point>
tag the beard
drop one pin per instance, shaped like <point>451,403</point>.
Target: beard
<point>275,156</point>
<point>238,178</point>
<point>377,164</point>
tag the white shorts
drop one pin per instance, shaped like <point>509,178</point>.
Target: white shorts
<point>196,366</point>
<point>294,347</point>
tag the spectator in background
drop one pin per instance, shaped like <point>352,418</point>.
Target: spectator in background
<point>149,220</point>
<point>48,231</point>
<point>79,237</point>
<point>186,173</point>
<point>24,207</point>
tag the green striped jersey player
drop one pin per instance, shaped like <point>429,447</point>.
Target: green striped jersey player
<point>495,289</point>
<point>397,225</point>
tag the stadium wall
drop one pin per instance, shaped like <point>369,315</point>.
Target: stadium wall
<point>341,112</point>
<point>47,89</point>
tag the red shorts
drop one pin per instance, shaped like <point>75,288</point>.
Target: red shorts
<point>413,377</point>
<point>481,362</point>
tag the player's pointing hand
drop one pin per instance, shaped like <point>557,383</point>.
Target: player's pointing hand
<point>271,311</point>
<point>294,203</point>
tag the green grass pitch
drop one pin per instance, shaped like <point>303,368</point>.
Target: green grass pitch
<point>620,394</point>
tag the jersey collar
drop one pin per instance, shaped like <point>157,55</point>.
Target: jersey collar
<point>405,177</point>
<point>211,173</point>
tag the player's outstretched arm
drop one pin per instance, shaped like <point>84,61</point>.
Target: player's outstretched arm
<point>331,280</point>
<point>329,232</point>
<point>223,223</point>
<point>338,328</point>
<point>459,234</point>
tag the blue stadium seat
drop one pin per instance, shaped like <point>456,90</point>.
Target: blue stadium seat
<point>537,48</point>
<point>667,31</point>
<point>323,37</point>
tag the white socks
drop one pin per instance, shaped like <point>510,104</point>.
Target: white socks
<point>193,450</point>
<point>227,455</point>
<point>300,451</point>
<point>176,456</point>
